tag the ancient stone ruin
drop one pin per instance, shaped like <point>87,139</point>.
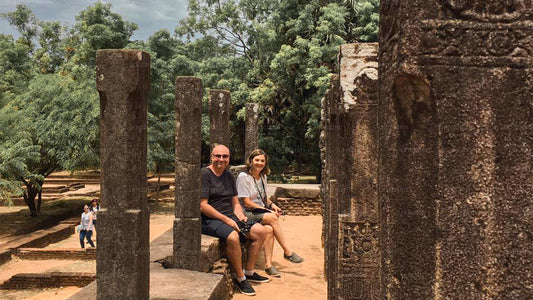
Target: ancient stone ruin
<point>123,82</point>
<point>187,225</point>
<point>455,148</point>
<point>251,128</point>
<point>219,117</point>
<point>349,180</point>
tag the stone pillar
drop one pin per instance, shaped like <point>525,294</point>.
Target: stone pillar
<point>123,82</point>
<point>219,117</point>
<point>350,158</point>
<point>251,135</point>
<point>455,171</point>
<point>187,225</point>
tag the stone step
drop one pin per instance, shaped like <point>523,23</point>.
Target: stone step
<point>47,280</point>
<point>63,253</point>
<point>174,284</point>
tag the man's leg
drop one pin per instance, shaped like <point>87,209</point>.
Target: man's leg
<point>257,235</point>
<point>233,250</point>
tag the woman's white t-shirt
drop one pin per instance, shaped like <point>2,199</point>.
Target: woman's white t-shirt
<point>248,186</point>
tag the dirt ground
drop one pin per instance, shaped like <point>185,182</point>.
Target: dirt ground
<point>303,281</point>
<point>298,281</point>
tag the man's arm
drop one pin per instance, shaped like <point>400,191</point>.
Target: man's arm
<point>211,212</point>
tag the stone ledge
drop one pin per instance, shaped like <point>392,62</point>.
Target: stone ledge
<point>64,253</point>
<point>161,250</point>
<point>307,191</point>
<point>47,280</point>
<point>38,239</point>
<point>174,284</point>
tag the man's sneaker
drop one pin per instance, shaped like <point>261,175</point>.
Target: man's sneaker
<point>245,288</point>
<point>257,278</point>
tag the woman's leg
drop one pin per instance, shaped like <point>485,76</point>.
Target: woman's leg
<point>268,246</point>
<point>272,220</point>
<point>89,234</point>
<point>82,237</point>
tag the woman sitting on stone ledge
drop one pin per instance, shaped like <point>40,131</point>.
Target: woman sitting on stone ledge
<point>252,192</point>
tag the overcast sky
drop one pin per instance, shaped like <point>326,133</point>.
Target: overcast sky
<point>150,15</point>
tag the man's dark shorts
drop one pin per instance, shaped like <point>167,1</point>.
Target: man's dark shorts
<point>221,230</point>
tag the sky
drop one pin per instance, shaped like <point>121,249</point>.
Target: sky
<point>149,15</point>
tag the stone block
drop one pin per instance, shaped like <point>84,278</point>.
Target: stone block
<point>188,110</point>
<point>187,243</point>
<point>251,129</point>
<point>187,204</point>
<point>455,149</point>
<point>219,117</point>
<point>187,175</point>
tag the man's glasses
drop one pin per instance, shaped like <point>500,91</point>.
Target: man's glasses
<point>219,156</point>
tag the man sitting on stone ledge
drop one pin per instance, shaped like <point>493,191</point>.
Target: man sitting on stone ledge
<point>223,217</point>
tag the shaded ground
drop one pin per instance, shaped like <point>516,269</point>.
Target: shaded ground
<point>15,220</point>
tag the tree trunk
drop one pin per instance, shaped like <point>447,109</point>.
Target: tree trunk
<point>39,200</point>
<point>158,187</point>
<point>29,198</point>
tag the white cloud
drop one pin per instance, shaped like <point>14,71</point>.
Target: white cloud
<point>149,15</point>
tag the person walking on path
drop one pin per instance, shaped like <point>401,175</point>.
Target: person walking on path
<point>223,217</point>
<point>251,189</point>
<point>86,227</point>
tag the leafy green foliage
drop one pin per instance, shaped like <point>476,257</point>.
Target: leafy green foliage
<point>276,53</point>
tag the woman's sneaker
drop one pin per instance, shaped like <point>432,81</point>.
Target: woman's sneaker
<point>257,278</point>
<point>295,258</point>
<point>245,288</point>
<point>272,272</point>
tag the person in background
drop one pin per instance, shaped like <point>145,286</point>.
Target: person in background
<point>251,187</point>
<point>86,227</point>
<point>94,209</point>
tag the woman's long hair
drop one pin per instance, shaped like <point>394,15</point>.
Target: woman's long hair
<point>256,152</point>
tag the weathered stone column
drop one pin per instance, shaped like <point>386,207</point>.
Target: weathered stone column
<point>187,225</point>
<point>455,168</point>
<point>350,159</point>
<point>123,82</point>
<point>219,117</point>
<point>251,134</point>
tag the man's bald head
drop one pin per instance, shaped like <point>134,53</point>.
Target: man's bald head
<point>220,149</point>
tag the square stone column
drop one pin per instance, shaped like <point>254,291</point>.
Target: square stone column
<point>187,225</point>
<point>122,259</point>
<point>349,153</point>
<point>219,117</point>
<point>251,129</point>
<point>455,140</point>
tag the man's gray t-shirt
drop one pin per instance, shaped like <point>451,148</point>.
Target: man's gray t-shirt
<point>219,190</point>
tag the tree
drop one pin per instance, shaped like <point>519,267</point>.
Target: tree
<point>97,27</point>
<point>26,23</point>
<point>61,121</point>
<point>364,23</point>
<point>280,54</point>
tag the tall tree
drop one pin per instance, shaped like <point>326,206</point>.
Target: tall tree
<point>97,27</point>
<point>280,54</point>
<point>61,121</point>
